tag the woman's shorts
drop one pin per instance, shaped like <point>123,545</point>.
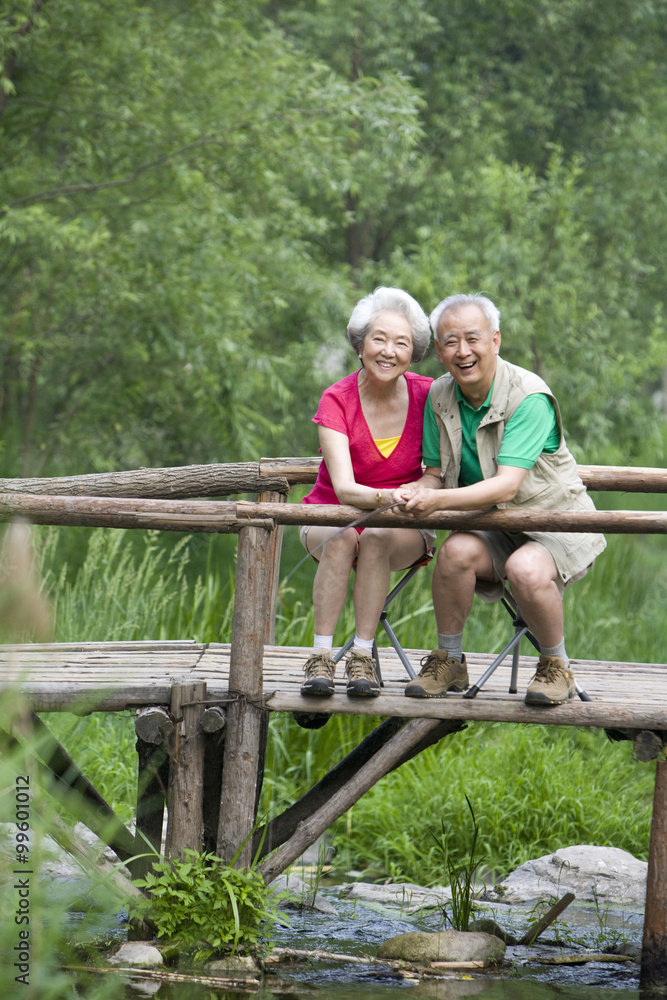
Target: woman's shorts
<point>428,534</point>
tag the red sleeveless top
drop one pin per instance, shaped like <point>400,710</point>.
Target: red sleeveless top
<point>340,409</point>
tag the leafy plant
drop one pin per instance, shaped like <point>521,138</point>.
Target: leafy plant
<point>206,905</point>
<point>461,877</point>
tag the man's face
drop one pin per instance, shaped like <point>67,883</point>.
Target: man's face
<point>468,349</point>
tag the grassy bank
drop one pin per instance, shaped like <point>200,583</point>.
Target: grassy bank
<point>533,788</point>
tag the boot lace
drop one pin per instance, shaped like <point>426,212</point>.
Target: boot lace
<point>319,665</point>
<point>360,667</point>
<point>432,666</point>
<point>549,670</point>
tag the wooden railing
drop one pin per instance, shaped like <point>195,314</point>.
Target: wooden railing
<point>275,474</point>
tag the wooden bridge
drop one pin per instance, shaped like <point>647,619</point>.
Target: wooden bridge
<point>186,692</point>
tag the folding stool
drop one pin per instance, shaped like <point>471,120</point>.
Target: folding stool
<point>405,579</point>
<point>513,646</point>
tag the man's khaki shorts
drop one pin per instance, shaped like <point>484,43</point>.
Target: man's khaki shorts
<point>501,545</point>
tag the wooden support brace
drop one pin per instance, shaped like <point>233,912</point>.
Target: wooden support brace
<point>186,769</point>
<point>67,783</point>
<point>395,750</point>
<point>284,826</point>
<point>654,944</point>
<point>243,743</point>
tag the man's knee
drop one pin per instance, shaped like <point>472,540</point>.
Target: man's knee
<point>462,552</point>
<point>530,568</point>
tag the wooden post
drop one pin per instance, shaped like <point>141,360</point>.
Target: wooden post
<point>186,786</point>
<point>654,944</point>
<point>270,496</point>
<point>244,712</point>
<point>214,748</point>
<point>154,729</point>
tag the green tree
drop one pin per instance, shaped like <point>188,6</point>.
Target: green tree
<point>154,234</point>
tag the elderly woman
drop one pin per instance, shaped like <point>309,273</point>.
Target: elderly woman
<point>370,430</point>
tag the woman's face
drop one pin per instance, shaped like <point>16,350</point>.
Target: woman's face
<point>387,349</point>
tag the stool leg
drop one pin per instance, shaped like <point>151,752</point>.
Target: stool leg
<point>515,668</point>
<point>377,662</point>
<point>513,644</point>
<point>397,646</point>
<point>582,694</point>
<point>344,649</point>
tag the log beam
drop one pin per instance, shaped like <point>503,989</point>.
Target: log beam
<point>178,482</point>
<point>280,829</point>
<point>232,516</point>
<point>154,728</point>
<point>279,474</point>
<point>308,830</point>
<point>619,478</point>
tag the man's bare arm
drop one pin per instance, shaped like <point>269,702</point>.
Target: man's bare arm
<point>422,498</point>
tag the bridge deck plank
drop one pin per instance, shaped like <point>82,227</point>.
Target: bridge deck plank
<point>119,675</point>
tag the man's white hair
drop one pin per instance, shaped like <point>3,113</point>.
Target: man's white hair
<point>454,302</point>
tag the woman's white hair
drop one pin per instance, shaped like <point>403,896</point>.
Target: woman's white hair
<point>454,302</point>
<point>389,300</point>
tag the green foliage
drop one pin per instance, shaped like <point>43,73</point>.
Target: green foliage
<point>206,906</point>
<point>461,876</point>
<point>154,234</point>
<point>103,744</point>
<point>195,195</point>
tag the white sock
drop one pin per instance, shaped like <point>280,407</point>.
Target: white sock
<point>323,642</point>
<point>452,644</point>
<point>558,650</point>
<point>363,643</point>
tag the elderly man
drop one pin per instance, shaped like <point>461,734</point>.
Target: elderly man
<point>493,437</point>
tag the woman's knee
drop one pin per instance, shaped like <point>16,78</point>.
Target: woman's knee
<point>375,543</point>
<point>341,547</point>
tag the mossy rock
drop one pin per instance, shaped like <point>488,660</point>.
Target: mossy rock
<point>444,946</point>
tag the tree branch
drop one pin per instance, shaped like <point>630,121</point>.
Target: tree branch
<point>125,181</point>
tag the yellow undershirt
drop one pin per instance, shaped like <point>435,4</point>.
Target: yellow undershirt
<point>387,445</point>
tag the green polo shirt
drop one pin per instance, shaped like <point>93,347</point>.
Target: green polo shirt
<point>531,430</point>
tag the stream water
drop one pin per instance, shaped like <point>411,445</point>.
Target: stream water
<point>358,928</point>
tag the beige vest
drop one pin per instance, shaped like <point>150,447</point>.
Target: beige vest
<point>553,483</point>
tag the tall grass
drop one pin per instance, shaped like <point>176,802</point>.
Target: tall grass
<point>33,925</point>
<point>533,788</point>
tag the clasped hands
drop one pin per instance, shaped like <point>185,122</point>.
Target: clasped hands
<point>416,499</point>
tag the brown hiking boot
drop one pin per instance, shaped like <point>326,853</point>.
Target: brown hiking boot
<point>439,674</point>
<point>362,680</point>
<point>320,671</point>
<point>553,683</point>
